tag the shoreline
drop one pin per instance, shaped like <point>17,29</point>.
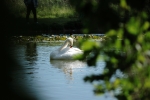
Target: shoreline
<point>44,38</point>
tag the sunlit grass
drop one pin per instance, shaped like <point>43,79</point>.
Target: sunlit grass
<point>55,11</point>
<point>45,9</point>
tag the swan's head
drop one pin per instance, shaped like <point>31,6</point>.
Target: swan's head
<point>70,40</point>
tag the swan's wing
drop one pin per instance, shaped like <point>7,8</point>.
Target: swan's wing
<point>61,54</point>
<point>64,50</point>
<point>74,51</point>
<point>77,50</point>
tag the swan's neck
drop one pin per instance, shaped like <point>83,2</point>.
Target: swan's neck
<point>68,41</point>
<point>64,45</point>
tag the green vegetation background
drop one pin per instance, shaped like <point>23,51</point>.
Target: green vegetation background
<point>45,9</point>
<point>54,16</point>
<point>126,51</point>
<point>126,24</point>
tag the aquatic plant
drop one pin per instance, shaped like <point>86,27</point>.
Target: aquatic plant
<point>52,38</point>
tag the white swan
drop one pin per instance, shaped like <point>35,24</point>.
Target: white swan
<point>66,51</point>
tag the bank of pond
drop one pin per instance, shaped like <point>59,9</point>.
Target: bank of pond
<point>58,37</point>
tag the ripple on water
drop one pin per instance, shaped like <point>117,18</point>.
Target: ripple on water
<point>53,79</point>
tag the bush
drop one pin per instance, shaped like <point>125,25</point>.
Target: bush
<point>126,49</point>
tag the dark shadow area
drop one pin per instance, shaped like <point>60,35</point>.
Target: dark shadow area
<point>11,26</point>
<point>8,64</point>
<point>31,52</point>
<point>45,25</point>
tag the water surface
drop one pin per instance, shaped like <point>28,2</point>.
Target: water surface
<point>47,79</point>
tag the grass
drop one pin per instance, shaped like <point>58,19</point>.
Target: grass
<point>55,12</point>
<point>45,9</point>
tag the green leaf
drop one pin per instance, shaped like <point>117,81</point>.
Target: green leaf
<point>114,60</point>
<point>123,4</point>
<point>146,25</point>
<point>85,31</point>
<point>87,45</point>
<point>147,83</point>
<point>111,33</point>
<point>118,44</point>
<point>133,25</point>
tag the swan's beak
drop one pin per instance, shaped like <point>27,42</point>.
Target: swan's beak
<point>70,46</point>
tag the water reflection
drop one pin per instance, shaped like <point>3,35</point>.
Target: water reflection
<point>48,79</point>
<point>31,52</point>
<point>68,66</point>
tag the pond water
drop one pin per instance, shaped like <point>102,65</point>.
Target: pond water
<point>47,79</point>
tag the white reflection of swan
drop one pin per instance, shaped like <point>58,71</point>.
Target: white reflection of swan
<point>65,52</point>
<point>68,66</point>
